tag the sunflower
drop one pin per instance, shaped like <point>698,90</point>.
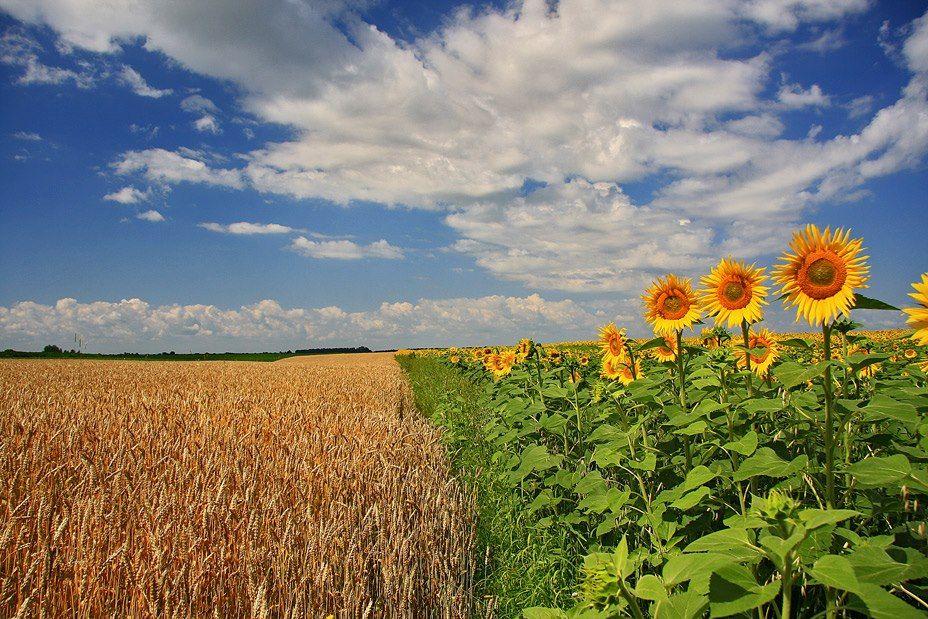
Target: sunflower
<point>820,276</point>
<point>524,349</point>
<point>671,305</point>
<point>554,356</point>
<point>584,360</point>
<point>454,359</point>
<point>867,371</point>
<point>910,353</point>
<point>500,364</point>
<point>918,316</point>
<point>627,375</point>
<point>575,377</point>
<point>612,367</point>
<point>733,291</point>
<point>668,351</point>
<point>612,341</point>
<point>760,362</point>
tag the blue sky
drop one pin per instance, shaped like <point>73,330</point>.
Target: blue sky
<point>244,176</point>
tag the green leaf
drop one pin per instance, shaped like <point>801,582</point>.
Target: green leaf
<point>790,373</point>
<point>795,342</point>
<point>686,605</point>
<point>650,587</point>
<point>815,518</point>
<point>883,605</point>
<point>680,568</point>
<point>534,458</point>
<point>733,590</point>
<point>880,471</point>
<point>746,445</point>
<point>759,405</point>
<point>882,406</point>
<point>734,543</point>
<point>862,302</point>
<point>835,571</point>
<point>690,500</point>
<point>648,463</point>
<point>538,612</point>
<point>767,462</point>
<point>655,343</point>
<point>874,566</point>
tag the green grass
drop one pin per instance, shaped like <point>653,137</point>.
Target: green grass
<point>519,565</point>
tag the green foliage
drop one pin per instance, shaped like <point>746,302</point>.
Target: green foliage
<point>726,497</point>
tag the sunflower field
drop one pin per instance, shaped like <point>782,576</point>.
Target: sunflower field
<point>736,472</point>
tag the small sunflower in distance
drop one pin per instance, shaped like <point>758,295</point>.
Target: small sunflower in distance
<point>671,305</point>
<point>820,276</point>
<point>760,363</point>
<point>733,291</point>
<point>668,350</point>
<point>612,341</point>
<point>918,316</point>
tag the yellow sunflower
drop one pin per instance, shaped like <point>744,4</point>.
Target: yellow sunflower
<point>667,352</point>
<point>867,371</point>
<point>671,305</point>
<point>524,349</point>
<point>454,359</point>
<point>500,364</point>
<point>820,276</point>
<point>584,360</point>
<point>612,341</point>
<point>918,316</point>
<point>760,363</point>
<point>733,291</point>
<point>554,356</point>
<point>626,375</point>
<point>612,367</point>
<point>910,353</point>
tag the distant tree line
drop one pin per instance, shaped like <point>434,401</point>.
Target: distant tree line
<point>56,352</point>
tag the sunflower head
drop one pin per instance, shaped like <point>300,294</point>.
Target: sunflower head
<point>612,341</point>
<point>668,350</point>
<point>612,367</point>
<point>524,348</point>
<point>910,353</point>
<point>918,315</point>
<point>868,371</point>
<point>454,359</point>
<point>760,361</point>
<point>628,373</point>
<point>671,305</point>
<point>733,292</point>
<point>820,275</point>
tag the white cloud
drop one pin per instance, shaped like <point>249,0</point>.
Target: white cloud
<point>246,228</point>
<point>207,124</point>
<point>795,96</point>
<point>127,195</point>
<point>134,80</point>
<point>345,249</point>
<point>198,104</point>
<point>27,136</point>
<point>604,92</point>
<point>859,106</point>
<point>163,166</point>
<point>150,215</point>
<point>136,325</point>
<point>19,50</point>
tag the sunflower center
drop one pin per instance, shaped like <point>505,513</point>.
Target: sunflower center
<point>822,274</point>
<point>674,306</point>
<point>735,294</point>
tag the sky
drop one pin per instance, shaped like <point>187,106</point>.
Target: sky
<point>283,174</point>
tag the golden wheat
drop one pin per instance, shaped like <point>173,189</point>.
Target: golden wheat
<point>290,489</point>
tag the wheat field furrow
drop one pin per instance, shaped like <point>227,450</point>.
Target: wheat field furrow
<point>298,488</point>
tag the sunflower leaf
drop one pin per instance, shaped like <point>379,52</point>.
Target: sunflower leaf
<point>862,302</point>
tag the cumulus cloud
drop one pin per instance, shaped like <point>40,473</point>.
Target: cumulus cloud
<point>344,249</point>
<point>163,166</point>
<point>137,325</point>
<point>19,50</point>
<point>198,104</point>
<point>207,124</point>
<point>604,92</point>
<point>127,195</point>
<point>794,96</point>
<point>150,215</point>
<point>134,80</point>
<point>246,228</point>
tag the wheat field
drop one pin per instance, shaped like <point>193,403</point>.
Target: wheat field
<point>304,487</point>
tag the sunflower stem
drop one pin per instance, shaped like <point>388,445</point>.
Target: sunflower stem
<point>681,375</point>
<point>829,422</point>
<point>745,333</point>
